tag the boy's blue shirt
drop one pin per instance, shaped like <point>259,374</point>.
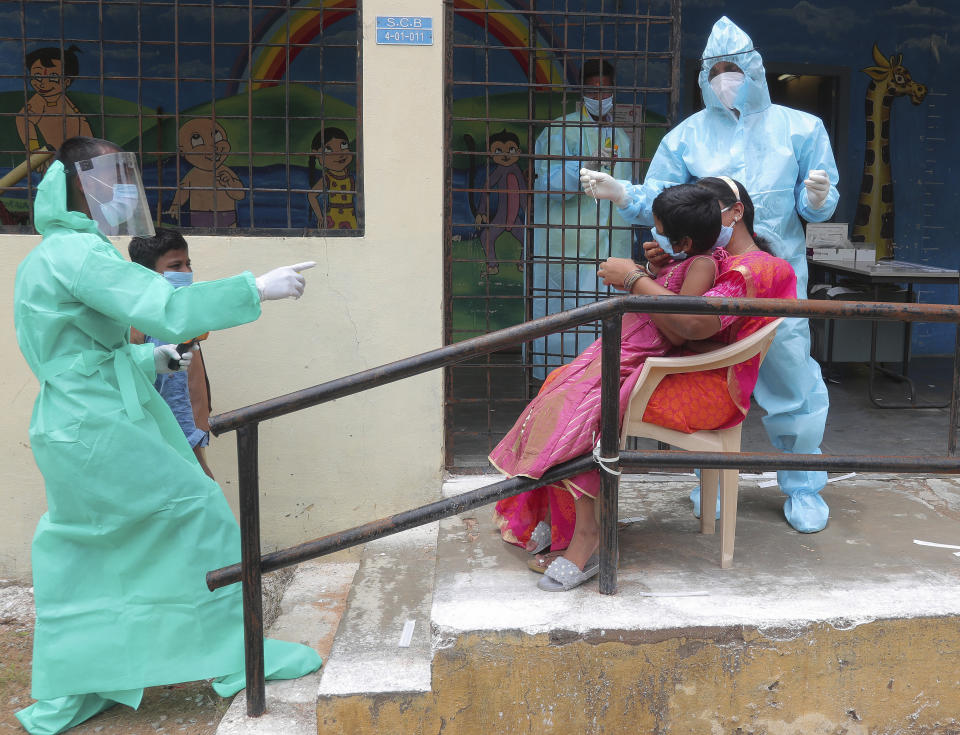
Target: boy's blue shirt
<point>174,389</point>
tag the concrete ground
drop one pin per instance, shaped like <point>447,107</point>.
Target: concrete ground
<point>852,629</point>
<point>457,576</point>
<point>304,606</point>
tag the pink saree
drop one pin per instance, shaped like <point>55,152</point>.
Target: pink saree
<point>562,421</point>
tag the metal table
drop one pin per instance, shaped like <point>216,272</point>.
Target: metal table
<point>883,272</point>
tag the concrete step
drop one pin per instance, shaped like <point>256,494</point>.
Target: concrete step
<point>853,630</point>
<point>310,611</point>
<point>383,649</point>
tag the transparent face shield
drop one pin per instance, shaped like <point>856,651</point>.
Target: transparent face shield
<point>114,193</point>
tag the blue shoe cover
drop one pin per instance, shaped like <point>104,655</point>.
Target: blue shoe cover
<point>807,513</point>
<point>695,497</point>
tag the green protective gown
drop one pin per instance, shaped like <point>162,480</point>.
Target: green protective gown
<point>133,523</point>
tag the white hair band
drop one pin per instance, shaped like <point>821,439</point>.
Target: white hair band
<point>732,184</point>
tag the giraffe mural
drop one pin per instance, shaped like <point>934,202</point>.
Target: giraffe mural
<point>874,219</point>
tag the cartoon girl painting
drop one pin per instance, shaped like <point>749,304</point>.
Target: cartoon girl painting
<point>333,188</point>
<point>500,205</point>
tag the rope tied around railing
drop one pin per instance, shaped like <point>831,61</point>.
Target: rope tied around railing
<point>602,461</point>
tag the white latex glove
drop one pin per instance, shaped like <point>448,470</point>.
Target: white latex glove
<point>603,186</point>
<point>283,283</point>
<point>165,355</point>
<point>818,186</point>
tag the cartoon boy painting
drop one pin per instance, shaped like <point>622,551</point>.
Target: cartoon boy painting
<point>210,188</point>
<point>500,206</point>
<point>49,117</point>
<point>333,195</point>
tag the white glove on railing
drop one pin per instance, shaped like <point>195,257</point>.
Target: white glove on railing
<point>283,283</point>
<point>166,355</point>
<point>818,186</point>
<point>603,186</point>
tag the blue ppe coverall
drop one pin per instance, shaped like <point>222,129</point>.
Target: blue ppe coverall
<point>770,149</point>
<point>573,232</point>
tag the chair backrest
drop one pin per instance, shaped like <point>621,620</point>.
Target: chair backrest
<point>656,369</point>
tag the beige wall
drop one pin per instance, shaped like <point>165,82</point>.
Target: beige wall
<point>369,301</point>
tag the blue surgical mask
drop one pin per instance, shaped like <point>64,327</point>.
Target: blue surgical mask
<point>598,108</point>
<point>178,279</point>
<point>665,245</point>
<point>125,199</point>
<point>726,232</point>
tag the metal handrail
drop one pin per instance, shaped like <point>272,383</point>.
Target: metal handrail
<point>245,422</point>
<point>484,344</point>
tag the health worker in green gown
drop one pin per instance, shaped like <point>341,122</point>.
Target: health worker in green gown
<point>133,523</point>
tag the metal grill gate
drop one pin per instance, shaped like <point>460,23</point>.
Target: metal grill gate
<point>521,241</point>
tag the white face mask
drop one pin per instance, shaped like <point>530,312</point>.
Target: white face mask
<point>126,197</point>
<point>598,108</point>
<point>726,86</point>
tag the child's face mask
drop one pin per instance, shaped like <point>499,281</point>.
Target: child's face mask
<point>178,279</point>
<point>665,245</point>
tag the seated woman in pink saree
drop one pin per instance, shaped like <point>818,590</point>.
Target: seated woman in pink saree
<point>562,421</point>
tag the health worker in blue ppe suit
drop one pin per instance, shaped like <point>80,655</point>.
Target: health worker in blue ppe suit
<point>784,158</point>
<point>574,233</point>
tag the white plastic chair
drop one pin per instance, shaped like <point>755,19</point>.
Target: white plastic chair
<point>656,369</point>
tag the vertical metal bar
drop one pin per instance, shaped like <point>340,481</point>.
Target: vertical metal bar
<point>248,476</point>
<point>358,118</point>
<point>448,300</point>
<point>676,37</point>
<point>251,80</point>
<point>609,447</point>
<point>526,252</point>
<point>955,393</point>
<point>176,106</point>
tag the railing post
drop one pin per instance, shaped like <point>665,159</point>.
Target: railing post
<point>609,447</point>
<point>250,574</point>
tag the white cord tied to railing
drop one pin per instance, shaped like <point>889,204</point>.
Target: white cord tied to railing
<point>602,461</point>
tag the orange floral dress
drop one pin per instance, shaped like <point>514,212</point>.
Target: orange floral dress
<point>562,421</point>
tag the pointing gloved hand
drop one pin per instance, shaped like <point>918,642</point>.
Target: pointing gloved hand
<point>603,186</point>
<point>818,186</point>
<point>166,355</point>
<point>283,283</point>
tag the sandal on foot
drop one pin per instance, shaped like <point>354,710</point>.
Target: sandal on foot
<point>540,562</point>
<point>563,574</point>
<point>541,536</point>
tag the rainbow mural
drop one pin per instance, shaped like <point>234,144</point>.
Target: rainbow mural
<point>512,29</point>
<point>269,63</point>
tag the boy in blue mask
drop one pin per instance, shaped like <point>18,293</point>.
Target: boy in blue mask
<point>187,392</point>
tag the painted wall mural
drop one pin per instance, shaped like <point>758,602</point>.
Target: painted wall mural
<point>231,134</point>
<point>875,206</point>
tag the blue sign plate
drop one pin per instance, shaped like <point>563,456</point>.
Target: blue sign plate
<point>404,30</point>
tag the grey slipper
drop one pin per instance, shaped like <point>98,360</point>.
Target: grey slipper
<point>541,536</point>
<point>563,574</point>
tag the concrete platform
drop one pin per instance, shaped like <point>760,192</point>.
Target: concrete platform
<point>855,629</point>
